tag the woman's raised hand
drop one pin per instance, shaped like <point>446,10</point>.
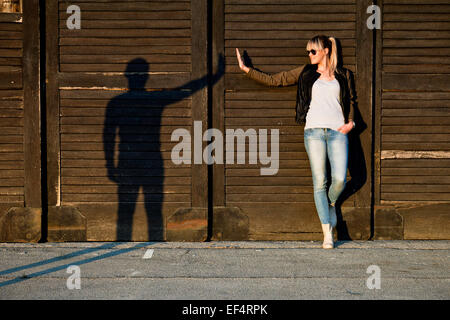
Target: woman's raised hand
<point>241,63</point>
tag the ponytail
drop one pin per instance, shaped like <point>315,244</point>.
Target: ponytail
<point>332,55</point>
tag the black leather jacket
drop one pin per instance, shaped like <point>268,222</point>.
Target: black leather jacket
<point>306,80</point>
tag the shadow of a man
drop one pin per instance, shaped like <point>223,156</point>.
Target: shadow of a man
<point>135,118</point>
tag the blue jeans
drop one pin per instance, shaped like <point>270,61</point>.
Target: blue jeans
<point>321,143</point>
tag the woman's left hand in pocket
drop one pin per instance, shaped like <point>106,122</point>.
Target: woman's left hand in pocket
<point>346,128</point>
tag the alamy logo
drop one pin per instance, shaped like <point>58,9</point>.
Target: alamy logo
<point>74,281</point>
<point>213,153</point>
<point>374,281</point>
<point>74,21</point>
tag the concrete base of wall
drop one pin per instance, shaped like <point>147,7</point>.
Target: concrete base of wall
<point>66,223</point>
<point>187,224</point>
<point>21,224</point>
<point>412,222</point>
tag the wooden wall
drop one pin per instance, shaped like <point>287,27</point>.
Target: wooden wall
<point>108,120</point>
<point>273,35</point>
<point>20,118</point>
<point>413,117</point>
<point>12,112</point>
<point>120,86</point>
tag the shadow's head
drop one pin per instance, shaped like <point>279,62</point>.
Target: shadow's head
<point>137,73</point>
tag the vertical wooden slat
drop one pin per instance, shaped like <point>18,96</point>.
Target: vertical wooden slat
<point>364,60</point>
<point>377,113</point>
<point>32,143</point>
<point>199,58</point>
<point>52,97</point>
<point>218,30</point>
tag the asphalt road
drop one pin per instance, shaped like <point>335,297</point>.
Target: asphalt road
<point>373,270</point>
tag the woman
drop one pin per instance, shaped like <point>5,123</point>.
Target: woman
<point>325,103</point>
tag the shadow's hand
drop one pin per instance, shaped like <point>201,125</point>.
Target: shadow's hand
<point>113,174</point>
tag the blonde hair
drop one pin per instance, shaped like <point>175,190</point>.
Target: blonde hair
<point>320,42</point>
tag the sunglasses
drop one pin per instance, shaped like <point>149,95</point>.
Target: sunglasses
<point>312,51</point>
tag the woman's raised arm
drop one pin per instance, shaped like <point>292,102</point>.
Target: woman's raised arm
<point>280,79</point>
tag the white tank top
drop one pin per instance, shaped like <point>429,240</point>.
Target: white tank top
<point>324,109</point>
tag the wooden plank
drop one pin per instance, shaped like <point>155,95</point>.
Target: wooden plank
<point>416,82</point>
<point>131,111</point>
<point>259,113</point>
<point>290,121</point>
<point>126,172</point>
<point>124,129</point>
<point>414,188</point>
<point>424,7</point>
<point>261,198</point>
<point>13,173</point>
<point>218,96</point>
<point>289,8</point>
<point>31,101</point>
<point>416,137</point>
<point>129,6</point>
<point>416,163</point>
<point>422,68</point>
<point>17,156</point>
<point>11,122</point>
<point>11,191</point>
<point>132,181</point>
<point>125,198</point>
<point>268,34</point>
<point>137,15</point>
<point>148,41</point>
<point>155,121</point>
<point>268,189</point>
<point>11,79</point>
<point>250,25</point>
<point>117,33</point>
<point>135,24</point>
<point>124,103</point>
<point>136,137</point>
<point>285,2</point>
<point>155,81</point>
<point>415,180</point>
<point>287,164</point>
<point>68,189</point>
<point>124,155</point>
<point>268,181</point>
<point>403,154</point>
<point>282,172</point>
<point>11,94</point>
<point>417,34</point>
<point>52,104</point>
<point>415,171</point>
<point>12,182</point>
<point>125,146</point>
<point>425,146</point>
<point>93,163</point>
<point>10,17</point>
<point>121,67</point>
<point>8,165</point>
<point>304,17</point>
<point>417,197</point>
<point>114,49</point>
<point>131,94</point>
<point>419,112</point>
<point>418,121</point>
<point>199,13</point>
<point>418,17</point>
